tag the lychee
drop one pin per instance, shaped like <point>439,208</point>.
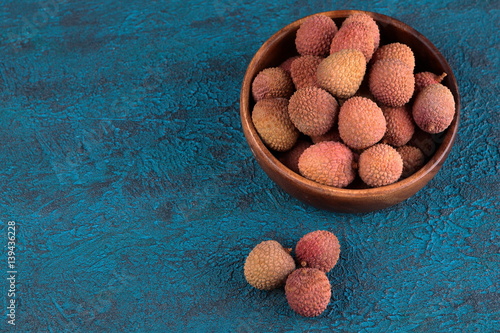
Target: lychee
<point>273,82</point>
<point>315,34</point>
<point>268,265</point>
<point>434,108</point>
<point>318,249</point>
<point>380,165</point>
<point>308,291</point>
<point>361,122</point>
<point>391,82</point>
<point>272,122</point>
<point>328,163</point>
<point>342,72</point>
<point>313,110</point>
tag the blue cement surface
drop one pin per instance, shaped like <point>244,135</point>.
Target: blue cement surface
<point>136,197</point>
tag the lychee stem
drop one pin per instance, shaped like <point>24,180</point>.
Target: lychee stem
<point>441,77</point>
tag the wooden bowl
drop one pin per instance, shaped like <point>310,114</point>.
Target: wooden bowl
<point>280,47</point>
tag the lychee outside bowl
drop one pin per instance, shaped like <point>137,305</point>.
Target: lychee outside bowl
<point>280,47</point>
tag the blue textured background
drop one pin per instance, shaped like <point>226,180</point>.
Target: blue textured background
<point>123,162</point>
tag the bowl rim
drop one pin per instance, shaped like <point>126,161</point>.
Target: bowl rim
<point>261,151</point>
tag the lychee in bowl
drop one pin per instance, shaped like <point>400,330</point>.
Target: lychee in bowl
<point>280,47</point>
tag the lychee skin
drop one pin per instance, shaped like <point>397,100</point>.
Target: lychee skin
<point>400,126</point>
<point>355,35</point>
<point>380,165</point>
<point>328,163</point>
<point>361,122</point>
<point>332,135</point>
<point>423,141</point>
<point>315,35</point>
<point>391,82</point>
<point>272,122</point>
<point>413,159</point>
<point>424,79</point>
<point>268,265</point>
<point>318,249</point>
<point>303,71</point>
<point>313,110</point>
<point>272,82</point>
<point>434,108</point>
<point>287,64</point>
<point>291,157</point>
<point>342,72</point>
<point>308,291</point>
<point>369,21</point>
<point>397,51</point>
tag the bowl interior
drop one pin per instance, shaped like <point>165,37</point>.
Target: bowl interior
<point>282,46</point>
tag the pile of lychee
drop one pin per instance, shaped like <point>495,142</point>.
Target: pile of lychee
<point>307,287</point>
<point>347,106</point>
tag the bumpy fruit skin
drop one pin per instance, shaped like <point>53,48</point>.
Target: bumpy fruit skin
<point>308,291</point>
<point>272,82</point>
<point>287,64</point>
<point>424,79</point>
<point>423,141</point>
<point>361,122</point>
<point>380,165</point>
<point>397,51</point>
<point>413,159</point>
<point>313,110</point>
<point>342,72</point>
<point>391,82</point>
<point>369,22</point>
<point>355,35</point>
<point>328,163</point>
<point>332,135</point>
<point>268,265</point>
<point>315,35</point>
<point>318,249</point>
<point>400,126</point>
<point>303,71</point>
<point>291,158</point>
<point>434,108</point>
<point>271,120</point>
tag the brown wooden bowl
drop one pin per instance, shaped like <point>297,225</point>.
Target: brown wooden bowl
<point>280,47</point>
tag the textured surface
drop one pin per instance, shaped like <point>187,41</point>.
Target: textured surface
<point>137,198</point>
